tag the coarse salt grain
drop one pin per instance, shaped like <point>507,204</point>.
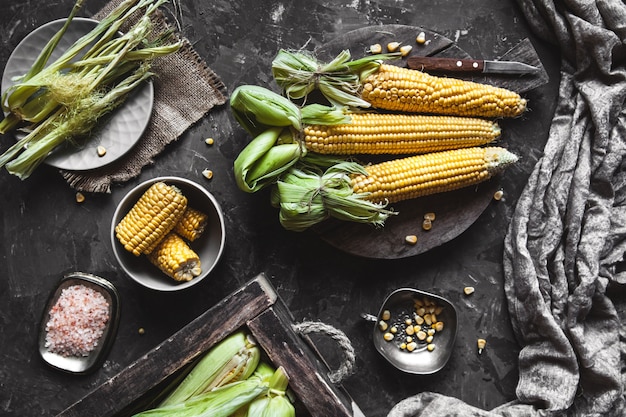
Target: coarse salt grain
<point>77,321</point>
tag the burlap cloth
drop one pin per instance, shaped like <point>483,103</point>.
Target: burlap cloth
<point>185,89</point>
<point>564,251</point>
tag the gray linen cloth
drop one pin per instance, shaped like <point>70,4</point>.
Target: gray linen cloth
<point>564,251</point>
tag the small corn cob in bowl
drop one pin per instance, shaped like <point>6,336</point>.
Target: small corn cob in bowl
<point>168,233</point>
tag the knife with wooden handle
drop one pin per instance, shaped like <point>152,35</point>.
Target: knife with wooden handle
<point>425,63</point>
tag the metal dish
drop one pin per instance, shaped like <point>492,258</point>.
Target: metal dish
<point>82,364</point>
<point>123,127</point>
<point>419,361</point>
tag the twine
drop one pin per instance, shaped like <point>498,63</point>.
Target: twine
<point>347,366</point>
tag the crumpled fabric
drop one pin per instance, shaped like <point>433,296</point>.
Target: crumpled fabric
<point>564,249</point>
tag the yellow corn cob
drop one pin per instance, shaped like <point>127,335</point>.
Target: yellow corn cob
<point>153,216</point>
<point>378,133</point>
<point>407,90</point>
<point>175,258</point>
<point>431,173</point>
<point>192,224</point>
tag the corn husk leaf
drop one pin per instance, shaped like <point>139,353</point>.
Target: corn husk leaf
<point>219,402</point>
<point>307,196</point>
<point>299,73</point>
<point>234,357</point>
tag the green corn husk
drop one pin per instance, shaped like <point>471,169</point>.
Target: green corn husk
<point>307,196</point>
<point>233,359</point>
<point>275,123</point>
<point>298,73</point>
<point>219,402</point>
<point>275,402</point>
<point>63,101</point>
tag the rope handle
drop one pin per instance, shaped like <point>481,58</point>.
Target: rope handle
<point>347,366</point>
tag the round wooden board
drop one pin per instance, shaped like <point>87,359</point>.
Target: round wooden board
<point>455,211</point>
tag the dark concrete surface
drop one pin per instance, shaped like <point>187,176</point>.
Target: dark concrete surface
<point>44,233</point>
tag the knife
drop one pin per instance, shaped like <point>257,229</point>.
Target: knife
<point>469,65</point>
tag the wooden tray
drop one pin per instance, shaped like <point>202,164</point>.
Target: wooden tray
<point>457,210</point>
<point>256,306</point>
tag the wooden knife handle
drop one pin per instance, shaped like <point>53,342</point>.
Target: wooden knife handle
<point>445,64</point>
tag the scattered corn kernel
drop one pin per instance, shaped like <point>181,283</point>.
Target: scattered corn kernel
<point>429,339</point>
<point>421,38</point>
<point>207,173</point>
<point>409,330</point>
<point>421,335</point>
<point>386,315</point>
<point>393,46</point>
<point>411,346</point>
<point>209,141</point>
<point>388,336</point>
<point>80,197</point>
<point>438,310</point>
<point>402,346</point>
<point>428,319</point>
<point>382,325</point>
<point>430,347</point>
<point>393,329</point>
<point>411,239</point>
<point>141,330</point>
<point>405,50</point>
<point>431,332</point>
<point>421,311</point>
<point>439,326</point>
<point>417,303</point>
<point>408,321</point>
<point>419,320</point>
<point>430,216</point>
<point>481,345</point>
<point>498,195</point>
<point>468,290</point>
<point>427,224</point>
<point>101,150</point>
<point>376,48</point>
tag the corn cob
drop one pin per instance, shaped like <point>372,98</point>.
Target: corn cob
<point>437,172</point>
<point>376,133</point>
<point>175,258</point>
<point>235,358</point>
<point>153,216</point>
<point>407,90</point>
<point>192,224</point>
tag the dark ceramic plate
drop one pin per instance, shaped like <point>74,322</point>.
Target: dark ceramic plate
<point>457,210</point>
<point>82,364</point>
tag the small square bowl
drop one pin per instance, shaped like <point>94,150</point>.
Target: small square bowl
<point>81,364</point>
<point>209,246</point>
<point>401,304</point>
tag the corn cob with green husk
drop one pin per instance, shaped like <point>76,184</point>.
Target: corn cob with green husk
<point>290,137</point>
<point>233,359</point>
<point>368,82</point>
<point>353,192</point>
<point>63,101</point>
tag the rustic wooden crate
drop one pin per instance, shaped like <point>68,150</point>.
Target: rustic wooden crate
<point>255,306</point>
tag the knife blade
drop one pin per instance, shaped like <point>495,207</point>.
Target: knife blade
<point>469,65</point>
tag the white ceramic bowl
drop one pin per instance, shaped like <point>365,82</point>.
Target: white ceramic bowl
<point>209,246</point>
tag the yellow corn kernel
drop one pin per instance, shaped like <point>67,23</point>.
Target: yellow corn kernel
<point>388,336</point>
<point>498,195</point>
<point>421,38</point>
<point>377,133</point>
<point>427,224</point>
<point>101,150</point>
<point>411,346</point>
<point>431,173</point>
<point>192,224</point>
<point>152,217</point>
<point>80,197</point>
<point>386,315</point>
<point>405,50</point>
<point>410,239</point>
<point>438,326</point>
<point>468,290</point>
<point>382,325</point>
<point>421,335</point>
<point>407,90</point>
<point>393,46</point>
<point>176,259</point>
<point>481,343</point>
<point>376,48</point>
<point>430,347</point>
